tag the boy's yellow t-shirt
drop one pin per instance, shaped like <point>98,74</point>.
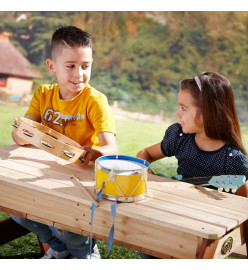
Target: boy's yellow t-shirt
<point>80,118</point>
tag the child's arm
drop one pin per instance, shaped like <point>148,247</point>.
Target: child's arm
<point>151,153</point>
<point>15,137</point>
<point>108,147</point>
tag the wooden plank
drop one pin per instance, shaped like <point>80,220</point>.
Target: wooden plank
<point>86,233</point>
<point>198,205</point>
<point>38,158</point>
<point>40,220</point>
<point>116,242</point>
<point>50,205</point>
<point>212,197</point>
<point>170,220</point>
<point>13,212</point>
<point>148,236</point>
<point>63,185</point>
<point>189,212</point>
<point>59,171</point>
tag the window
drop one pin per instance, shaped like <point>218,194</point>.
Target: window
<point>3,80</point>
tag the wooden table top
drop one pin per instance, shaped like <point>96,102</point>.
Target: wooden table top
<point>178,214</point>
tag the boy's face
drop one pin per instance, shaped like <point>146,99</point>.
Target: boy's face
<point>72,67</point>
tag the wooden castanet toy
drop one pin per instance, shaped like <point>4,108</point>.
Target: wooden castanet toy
<point>124,178</point>
<point>49,140</point>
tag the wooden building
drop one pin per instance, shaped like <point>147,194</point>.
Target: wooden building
<point>16,72</point>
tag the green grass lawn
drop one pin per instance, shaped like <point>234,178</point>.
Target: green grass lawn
<point>132,136</point>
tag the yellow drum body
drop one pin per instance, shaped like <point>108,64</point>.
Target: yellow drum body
<point>123,178</point>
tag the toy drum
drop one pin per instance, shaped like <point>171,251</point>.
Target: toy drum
<point>124,178</point>
<point>49,140</point>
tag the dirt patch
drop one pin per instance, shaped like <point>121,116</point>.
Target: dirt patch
<point>123,114</point>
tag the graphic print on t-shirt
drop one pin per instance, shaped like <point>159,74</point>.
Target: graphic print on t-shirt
<point>57,118</point>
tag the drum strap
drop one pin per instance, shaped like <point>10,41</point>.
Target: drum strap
<point>111,233</point>
<point>113,211</point>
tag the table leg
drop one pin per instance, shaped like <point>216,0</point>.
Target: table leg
<point>206,249</point>
<point>243,191</point>
<point>43,247</point>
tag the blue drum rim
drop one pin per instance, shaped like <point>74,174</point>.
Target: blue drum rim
<point>123,157</point>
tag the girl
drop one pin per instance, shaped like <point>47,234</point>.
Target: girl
<point>207,142</point>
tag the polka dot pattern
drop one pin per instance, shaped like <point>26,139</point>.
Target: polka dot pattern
<point>194,162</point>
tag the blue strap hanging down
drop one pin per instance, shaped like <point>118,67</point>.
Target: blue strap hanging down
<point>113,211</point>
<point>93,207</point>
<point>111,233</point>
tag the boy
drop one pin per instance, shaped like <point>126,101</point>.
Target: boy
<point>80,112</point>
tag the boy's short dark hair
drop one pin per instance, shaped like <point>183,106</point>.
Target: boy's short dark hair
<point>70,36</point>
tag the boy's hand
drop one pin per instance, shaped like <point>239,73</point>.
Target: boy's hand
<point>16,138</point>
<point>88,156</point>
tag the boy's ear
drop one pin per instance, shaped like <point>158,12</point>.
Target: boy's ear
<point>50,66</point>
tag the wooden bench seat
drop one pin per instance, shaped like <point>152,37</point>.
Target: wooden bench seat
<point>10,230</point>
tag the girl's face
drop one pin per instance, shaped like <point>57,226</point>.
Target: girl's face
<point>188,113</point>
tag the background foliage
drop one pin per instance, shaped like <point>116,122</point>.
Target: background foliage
<point>141,57</point>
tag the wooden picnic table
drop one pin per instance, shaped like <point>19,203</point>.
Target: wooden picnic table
<point>180,220</point>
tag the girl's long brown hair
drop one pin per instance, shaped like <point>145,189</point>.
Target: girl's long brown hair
<point>215,99</point>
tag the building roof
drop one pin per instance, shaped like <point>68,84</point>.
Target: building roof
<point>13,62</point>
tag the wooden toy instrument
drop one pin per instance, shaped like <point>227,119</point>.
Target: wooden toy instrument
<point>223,182</point>
<point>49,140</point>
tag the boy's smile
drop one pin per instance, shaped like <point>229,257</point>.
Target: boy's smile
<point>73,69</point>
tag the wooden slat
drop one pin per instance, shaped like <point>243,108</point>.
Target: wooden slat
<point>170,220</point>
<point>130,230</point>
<point>13,212</point>
<point>212,197</point>
<point>63,183</point>
<point>50,169</point>
<point>198,205</point>
<point>188,212</point>
<point>40,159</point>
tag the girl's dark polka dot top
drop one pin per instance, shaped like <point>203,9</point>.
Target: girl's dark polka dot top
<point>194,162</point>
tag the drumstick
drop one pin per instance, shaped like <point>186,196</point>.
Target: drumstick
<point>79,183</point>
